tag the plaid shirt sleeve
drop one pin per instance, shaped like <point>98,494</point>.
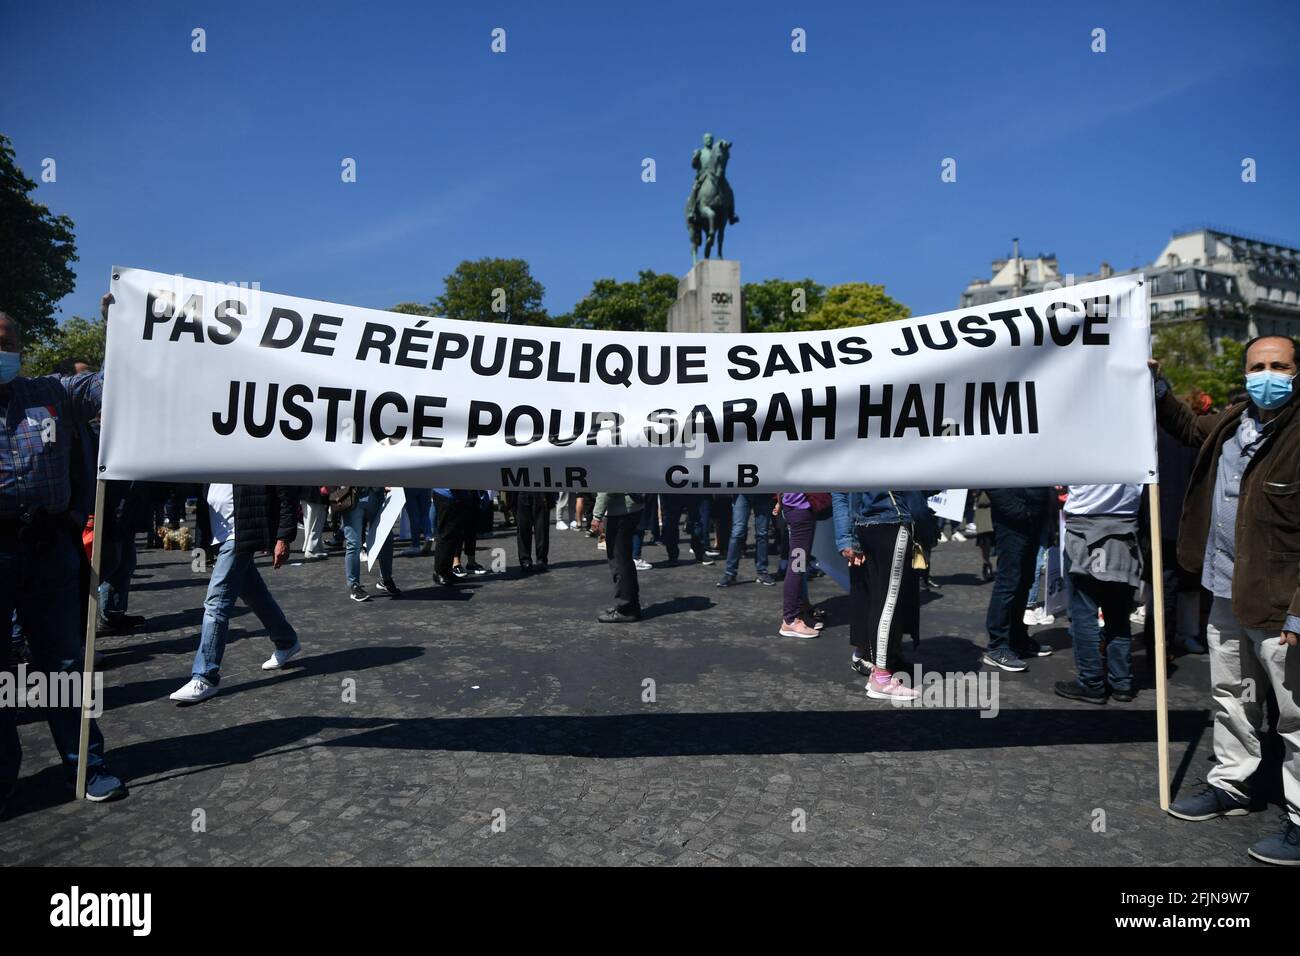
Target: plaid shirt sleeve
<point>36,438</point>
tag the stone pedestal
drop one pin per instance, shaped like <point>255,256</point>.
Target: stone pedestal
<point>708,299</point>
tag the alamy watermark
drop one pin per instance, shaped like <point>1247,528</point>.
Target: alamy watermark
<point>38,689</point>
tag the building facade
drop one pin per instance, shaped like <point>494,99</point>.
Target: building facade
<point>1239,286</point>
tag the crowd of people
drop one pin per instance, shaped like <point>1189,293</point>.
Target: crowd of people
<point>1230,518</point>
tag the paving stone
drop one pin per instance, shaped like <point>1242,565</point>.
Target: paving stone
<point>509,695</point>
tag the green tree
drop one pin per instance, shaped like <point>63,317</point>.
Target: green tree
<point>414,308</point>
<point>1189,361</point>
<point>640,306</point>
<point>493,290</point>
<point>856,303</point>
<point>779,305</point>
<point>38,248</point>
<point>76,340</point>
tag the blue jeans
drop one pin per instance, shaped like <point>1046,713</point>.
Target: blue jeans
<point>39,581</point>
<point>649,515</point>
<point>1005,620</point>
<point>673,506</point>
<point>418,513</point>
<point>1040,563</point>
<point>761,506</point>
<point>1115,600</point>
<point>235,577</point>
<point>366,509</point>
<point>118,564</point>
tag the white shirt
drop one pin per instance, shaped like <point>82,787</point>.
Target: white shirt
<point>1103,500</point>
<point>221,509</point>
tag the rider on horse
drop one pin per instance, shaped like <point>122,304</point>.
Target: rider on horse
<point>707,161</point>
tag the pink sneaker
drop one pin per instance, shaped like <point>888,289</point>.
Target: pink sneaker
<point>883,685</point>
<point>797,628</point>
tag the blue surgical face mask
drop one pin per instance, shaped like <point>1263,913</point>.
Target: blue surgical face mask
<point>1269,390</point>
<point>10,362</point>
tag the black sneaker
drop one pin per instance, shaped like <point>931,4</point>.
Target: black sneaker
<point>1073,690</point>
<point>726,581</point>
<point>765,579</point>
<point>121,622</point>
<point>475,568</point>
<point>525,565</point>
<point>1207,803</point>
<point>615,616</point>
<point>444,581</point>
<point>861,666</point>
<point>542,567</point>
<point>389,587</point>
<point>358,594</point>
<point>459,571</point>
<point>1033,648</point>
<point>1123,696</point>
<point>987,572</point>
<point>1006,659</point>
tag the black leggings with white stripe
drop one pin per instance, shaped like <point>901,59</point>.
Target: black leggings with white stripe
<point>876,590</point>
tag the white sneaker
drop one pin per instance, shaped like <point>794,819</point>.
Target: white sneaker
<point>281,657</point>
<point>971,529</point>
<point>641,564</point>
<point>1045,618</point>
<point>196,690</point>
<point>958,536</point>
<point>942,537</point>
<point>601,546</point>
<point>1139,616</point>
<point>561,526</point>
<point>1031,615</point>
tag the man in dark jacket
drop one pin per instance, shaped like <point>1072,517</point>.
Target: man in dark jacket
<point>238,521</point>
<point>1241,532</point>
<point>1017,522</point>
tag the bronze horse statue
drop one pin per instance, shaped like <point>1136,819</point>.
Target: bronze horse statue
<point>712,205</point>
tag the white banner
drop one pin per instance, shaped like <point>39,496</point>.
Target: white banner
<point>213,382</point>
<point>949,505</point>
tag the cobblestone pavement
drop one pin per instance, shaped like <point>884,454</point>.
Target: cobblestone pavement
<point>500,724</point>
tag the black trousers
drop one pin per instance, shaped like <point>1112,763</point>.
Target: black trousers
<point>454,518</point>
<point>619,530</point>
<point>1017,552</point>
<point>673,507</point>
<point>876,592</point>
<point>533,524</point>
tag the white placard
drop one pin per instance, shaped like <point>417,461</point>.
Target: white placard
<point>379,530</point>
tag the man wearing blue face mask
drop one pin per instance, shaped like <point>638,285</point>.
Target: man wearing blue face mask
<point>38,549</point>
<point>1241,529</point>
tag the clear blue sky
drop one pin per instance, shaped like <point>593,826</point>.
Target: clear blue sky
<point>225,165</point>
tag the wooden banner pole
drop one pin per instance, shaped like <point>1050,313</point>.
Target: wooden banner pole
<point>1158,609</point>
<point>88,665</point>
